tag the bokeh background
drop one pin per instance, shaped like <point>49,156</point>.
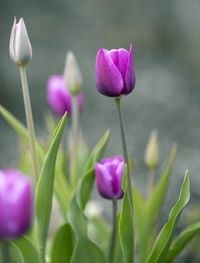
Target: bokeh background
<point>166,38</point>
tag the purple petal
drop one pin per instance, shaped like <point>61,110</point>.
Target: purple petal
<point>130,78</point>
<point>109,81</point>
<point>104,181</point>
<point>123,60</point>
<point>15,203</point>
<point>80,100</point>
<point>113,53</point>
<point>58,96</point>
<point>119,174</point>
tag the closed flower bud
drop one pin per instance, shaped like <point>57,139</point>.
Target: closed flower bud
<point>20,46</point>
<point>115,73</point>
<point>72,74</point>
<point>59,97</point>
<point>16,204</point>
<point>109,174</point>
<point>152,153</point>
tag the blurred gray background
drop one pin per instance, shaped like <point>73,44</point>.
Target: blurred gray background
<point>166,37</point>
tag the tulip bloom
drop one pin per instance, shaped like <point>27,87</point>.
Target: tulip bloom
<point>109,174</point>
<point>115,73</point>
<point>16,204</point>
<point>20,46</point>
<point>59,98</point>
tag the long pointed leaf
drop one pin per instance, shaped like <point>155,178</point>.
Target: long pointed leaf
<point>164,239</point>
<point>27,249</point>
<point>126,226</point>
<point>182,240</point>
<point>85,250</point>
<point>62,247</point>
<point>146,217</point>
<point>44,190</point>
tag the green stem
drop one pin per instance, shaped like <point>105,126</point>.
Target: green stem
<point>5,254</point>
<point>125,152</point>
<point>151,180</point>
<point>75,128</point>
<point>42,255</point>
<point>113,238</point>
<point>29,120</point>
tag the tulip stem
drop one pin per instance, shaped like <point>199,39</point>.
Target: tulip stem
<point>113,238</point>
<point>5,254</point>
<point>125,152</point>
<point>75,127</point>
<point>151,180</point>
<point>29,120</point>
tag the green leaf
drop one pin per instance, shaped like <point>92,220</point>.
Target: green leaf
<point>164,239</point>
<point>44,190</point>
<point>126,225</point>
<point>85,250</point>
<point>86,186</point>
<point>100,231</point>
<point>62,247</point>
<point>139,217</point>
<point>183,239</point>
<point>27,249</point>
<point>118,255</point>
<point>98,151</point>
<point>145,218</point>
<point>87,180</point>
<point>15,255</point>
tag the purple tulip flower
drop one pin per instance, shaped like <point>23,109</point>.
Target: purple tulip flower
<point>16,204</point>
<point>59,97</point>
<point>115,73</point>
<point>109,174</point>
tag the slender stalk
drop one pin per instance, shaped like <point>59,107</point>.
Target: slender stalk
<point>125,152</point>
<point>151,180</point>
<point>29,120</point>
<point>113,238</point>
<point>75,128</point>
<point>42,255</point>
<point>5,254</point>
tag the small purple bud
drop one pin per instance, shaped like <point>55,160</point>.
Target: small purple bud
<point>20,46</point>
<point>59,98</point>
<point>115,73</point>
<point>16,204</point>
<point>109,174</point>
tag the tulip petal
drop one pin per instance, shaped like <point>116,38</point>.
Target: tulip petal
<point>109,80</point>
<point>103,181</point>
<point>123,61</point>
<point>130,77</point>
<point>57,95</point>
<point>22,48</point>
<point>119,173</point>
<point>12,39</point>
<point>15,203</point>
